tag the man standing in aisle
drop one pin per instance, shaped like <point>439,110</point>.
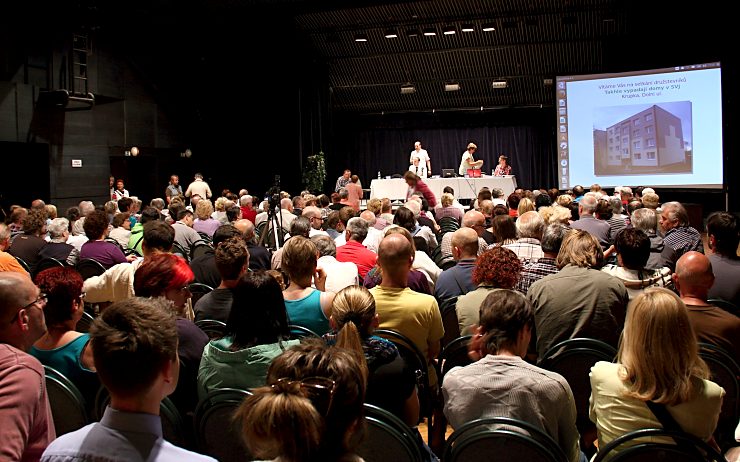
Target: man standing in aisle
<point>173,189</point>
<point>423,157</point>
<point>198,187</point>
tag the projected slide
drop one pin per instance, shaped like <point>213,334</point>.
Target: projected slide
<point>655,128</point>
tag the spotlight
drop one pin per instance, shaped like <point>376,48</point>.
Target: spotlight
<point>407,89</point>
<point>412,32</point>
<point>430,31</point>
<point>360,37</point>
<point>488,27</point>
<point>452,86</point>
<point>134,151</point>
<point>467,28</point>
<point>499,84</point>
<point>391,33</point>
<point>449,30</point>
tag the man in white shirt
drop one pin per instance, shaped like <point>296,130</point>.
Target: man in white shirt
<point>418,168</point>
<point>199,187</point>
<point>423,157</point>
<point>338,274</point>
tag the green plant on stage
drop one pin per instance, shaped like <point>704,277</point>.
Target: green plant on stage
<point>314,174</point>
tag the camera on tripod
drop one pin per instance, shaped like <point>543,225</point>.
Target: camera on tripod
<point>273,194</point>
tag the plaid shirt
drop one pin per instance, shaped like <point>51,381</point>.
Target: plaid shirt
<point>527,249</point>
<point>683,239</point>
<point>534,271</point>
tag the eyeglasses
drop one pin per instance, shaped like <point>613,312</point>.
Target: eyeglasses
<point>40,302</point>
<point>83,295</point>
<point>319,390</point>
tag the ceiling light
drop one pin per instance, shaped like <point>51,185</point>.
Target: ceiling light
<point>391,33</point>
<point>452,86</point>
<point>412,32</point>
<point>499,84</point>
<point>430,31</point>
<point>488,27</point>
<point>449,30</point>
<point>467,28</point>
<point>360,37</point>
<point>547,81</point>
<point>407,89</point>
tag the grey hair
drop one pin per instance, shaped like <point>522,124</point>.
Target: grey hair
<point>645,219</point>
<point>589,203</point>
<point>676,212</point>
<point>157,203</point>
<point>531,225</point>
<point>57,228</point>
<point>357,228</point>
<point>414,206</point>
<point>552,237</point>
<point>616,204</point>
<point>325,245</point>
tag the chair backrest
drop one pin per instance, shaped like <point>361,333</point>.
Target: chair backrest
<point>68,408</point>
<point>726,373</point>
<point>454,354</point>
<point>83,325</point>
<point>573,359</point>
<point>212,327</point>
<point>628,448</point>
<point>23,263</point>
<point>46,263</point>
<point>198,290</point>
<point>447,308</point>
<point>299,332</point>
<point>200,248</point>
<point>180,251</point>
<point>387,438</point>
<point>216,432</point>
<point>205,237</point>
<point>416,361</point>
<point>87,267</point>
<point>518,440</point>
<point>114,242</point>
<point>725,305</point>
<point>448,225</point>
<point>173,426</point>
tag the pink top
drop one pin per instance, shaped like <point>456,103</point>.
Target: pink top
<point>355,194</point>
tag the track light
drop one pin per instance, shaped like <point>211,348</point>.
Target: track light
<point>430,31</point>
<point>391,33</point>
<point>499,84</point>
<point>407,89</point>
<point>467,28</point>
<point>360,37</point>
<point>488,27</point>
<point>412,32</point>
<point>452,86</point>
<point>449,30</point>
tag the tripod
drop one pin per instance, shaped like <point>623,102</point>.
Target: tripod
<point>274,226</point>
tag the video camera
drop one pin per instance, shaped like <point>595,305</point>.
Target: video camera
<point>273,194</point>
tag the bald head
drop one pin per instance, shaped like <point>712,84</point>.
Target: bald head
<point>464,243</point>
<point>694,276</point>
<point>395,255</point>
<point>473,218</point>
<point>245,227</point>
<point>530,225</point>
<point>369,217</point>
<point>15,290</point>
<point>286,204</point>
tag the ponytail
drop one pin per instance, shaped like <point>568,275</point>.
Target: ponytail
<point>349,339</point>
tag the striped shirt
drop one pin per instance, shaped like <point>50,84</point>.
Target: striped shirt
<point>683,239</point>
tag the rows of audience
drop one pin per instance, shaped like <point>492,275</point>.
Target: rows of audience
<point>520,275</point>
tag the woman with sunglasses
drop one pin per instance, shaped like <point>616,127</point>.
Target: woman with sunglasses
<point>61,347</point>
<point>311,409</point>
<point>166,275</point>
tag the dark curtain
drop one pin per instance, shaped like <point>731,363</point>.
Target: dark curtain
<point>368,145</point>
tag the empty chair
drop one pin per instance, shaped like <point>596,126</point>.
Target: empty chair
<point>68,407</point>
<point>684,448</point>
<point>200,248</point>
<point>88,268</point>
<point>511,439</point>
<point>216,432</point>
<point>387,438</point>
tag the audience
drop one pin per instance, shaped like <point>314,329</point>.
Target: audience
<point>588,222</point>
<point>723,237</point>
<point>658,367</point>
<point>353,251</point>
<point>632,247</point>
<point>458,280</point>
<point>27,246</point>
<point>7,261</point>
<point>338,274</point>
<point>97,248</point>
<point>529,227</point>
<point>674,221</point>
<point>232,261</point>
<point>661,255</point>
<point>203,222</point>
<point>552,239</point>
<point>256,332</point>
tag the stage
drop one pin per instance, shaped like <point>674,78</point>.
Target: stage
<point>465,188</point>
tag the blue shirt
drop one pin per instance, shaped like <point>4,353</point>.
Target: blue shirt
<point>455,281</point>
<point>119,436</point>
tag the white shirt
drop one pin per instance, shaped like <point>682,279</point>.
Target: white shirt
<point>420,169</point>
<point>422,154</point>
<point>464,166</point>
<point>338,274</point>
<point>373,238</point>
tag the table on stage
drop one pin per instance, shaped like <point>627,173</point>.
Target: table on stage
<point>465,188</point>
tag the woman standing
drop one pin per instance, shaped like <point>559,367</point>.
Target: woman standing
<point>419,187</point>
<point>467,161</point>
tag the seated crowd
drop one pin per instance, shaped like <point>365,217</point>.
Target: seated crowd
<point>297,326</point>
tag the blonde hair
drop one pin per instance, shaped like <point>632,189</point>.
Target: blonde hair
<point>555,214</point>
<point>353,311</point>
<point>579,248</point>
<point>564,200</point>
<point>204,209</point>
<point>299,258</point>
<point>447,199</point>
<point>220,204</point>
<point>525,205</point>
<point>658,350</point>
<point>650,200</point>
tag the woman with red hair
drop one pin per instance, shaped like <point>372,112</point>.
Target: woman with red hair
<point>166,275</point>
<point>497,268</point>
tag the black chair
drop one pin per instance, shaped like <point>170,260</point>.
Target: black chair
<point>725,372</point>
<point>299,332</point>
<point>68,407</point>
<point>180,251</point>
<point>205,237</point>
<point>448,310</point>
<point>387,438</point>
<point>198,290</point>
<point>46,263</point>
<point>128,252</point>
<point>83,325</point>
<point>115,242</point>
<point>23,263</point>
<point>511,439</point>
<point>448,225</point>
<point>573,359</point>
<point>200,248</point>
<point>688,449</point>
<point>454,354</point>
<point>725,305</point>
<point>448,264</point>
<point>213,328</point>
<point>216,432</point>
<point>417,361</point>
<point>87,267</point>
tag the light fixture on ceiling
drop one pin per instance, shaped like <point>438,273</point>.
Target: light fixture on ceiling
<point>412,32</point>
<point>361,37</point>
<point>407,89</point>
<point>391,33</point>
<point>449,30</point>
<point>134,151</point>
<point>452,86</point>
<point>488,27</point>
<point>430,31</point>
<point>499,84</point>
<point>467,28</point>
<point>547,82</point>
